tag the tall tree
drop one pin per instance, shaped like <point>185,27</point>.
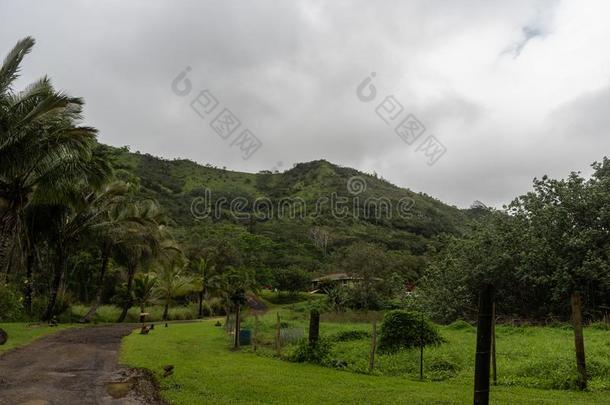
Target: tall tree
<point>173,282</point>
<point>139,244</point>
<point>44,153</point>
<point>570,219</point>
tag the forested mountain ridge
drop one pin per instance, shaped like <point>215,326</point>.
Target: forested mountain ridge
<point>341,203</point>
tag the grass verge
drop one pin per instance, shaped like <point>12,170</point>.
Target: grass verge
<point>20,334</point>
<point>206,371</point>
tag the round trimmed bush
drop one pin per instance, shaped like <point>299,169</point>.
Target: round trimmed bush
<point>404,329</point>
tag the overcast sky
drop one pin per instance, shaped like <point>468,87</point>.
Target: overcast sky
<point>512,90</point>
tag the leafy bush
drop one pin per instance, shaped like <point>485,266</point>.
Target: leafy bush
<point>316,354</point>
<point>348,335</point>
<point>10,304</point>
<point>292,280</point>
<point>403,329</point>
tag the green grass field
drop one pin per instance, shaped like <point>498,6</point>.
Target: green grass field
<point>206,371</point>
<point>534,357</point>
<point>20,334</point>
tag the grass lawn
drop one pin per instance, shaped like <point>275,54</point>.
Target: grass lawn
<point>529,356</point>
<point>20,334</point>
<point>206,371</point>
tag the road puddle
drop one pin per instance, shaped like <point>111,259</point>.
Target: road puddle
<point>119,389</point>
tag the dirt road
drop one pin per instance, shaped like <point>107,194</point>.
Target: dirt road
<point>74,366</point>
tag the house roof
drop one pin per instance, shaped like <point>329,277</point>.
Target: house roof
<point>336,277</point>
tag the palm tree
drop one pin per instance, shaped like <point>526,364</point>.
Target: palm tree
<point>118,216</point>
<point>172,283</point>
<point>43,152</point>
<point>139,244</point>
<point>144,290</point>
<point>202,269</point>
<point>74,222</point>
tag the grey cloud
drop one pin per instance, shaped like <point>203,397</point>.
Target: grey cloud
<point>289,71</point>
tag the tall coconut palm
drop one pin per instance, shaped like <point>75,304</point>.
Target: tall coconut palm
<point>87,209</point>
<point>110,231</point>
<point>139,244</point>
<point>44,153</point>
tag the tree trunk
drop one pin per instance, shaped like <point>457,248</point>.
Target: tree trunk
<point>142,317</point>
<point>10,232</point>
<point>483,354</point>
<point>29,286</point>
<point>227,319</point>
<point>200,304</point>
<point>128,302</point>
<point>57,278</point>
<point>165,310</point>
<point>237,326</point>
<point>100,288</point>
<point>579,341</point>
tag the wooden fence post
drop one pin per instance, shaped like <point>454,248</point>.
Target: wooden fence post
<point>237,327</point>
<point>494,369</point>
<point>579,341</point>
<point>255,333</point>
<point>314,327</point>
<point>421,348</point>
<point>278,343</point>
<point>482,360</point>
<point>373,347</point>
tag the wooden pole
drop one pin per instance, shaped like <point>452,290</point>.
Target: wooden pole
<point>237,327</point>
<point>278,344</point>
<point>314,327</point>
<point>255,333</point>
<point>421,349</point>
<point>494,369</point>
<point>484,327</point>
<point>373,347</point>
<point>579,341</point>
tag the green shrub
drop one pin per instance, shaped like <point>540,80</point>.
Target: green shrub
<point>316,354</point>
<point>348,335</point>
<point>403,329</point>
<point>10,304</point>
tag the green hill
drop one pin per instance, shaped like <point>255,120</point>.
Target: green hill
<point>275,215</point>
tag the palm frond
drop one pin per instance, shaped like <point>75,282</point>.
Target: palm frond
<point>10,66</point>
